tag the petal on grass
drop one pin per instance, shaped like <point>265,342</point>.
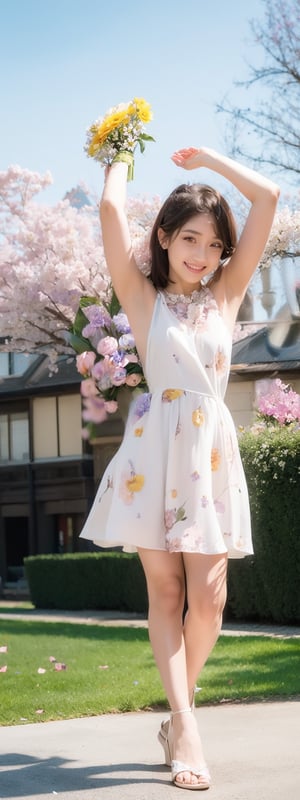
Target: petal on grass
<point>103,666</point>
<point>3,669</point>
<point>59,666</point>
<point>41,671</point>
<point>52,659</point>
<point>39,711</point>
<point>3,649</point>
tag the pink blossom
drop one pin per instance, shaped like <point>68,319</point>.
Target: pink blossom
<point>94,410</point>
<point>85,361</point>
<point>280,404</point>
<point>107,346</point>
<point>88,388</point>
<point>111,406</point>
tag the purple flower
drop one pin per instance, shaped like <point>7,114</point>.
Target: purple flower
<point>98,318</point>
<point>142,405</point>
<point>121,322</point>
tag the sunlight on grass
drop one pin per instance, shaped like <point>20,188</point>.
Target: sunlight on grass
<point>112,670</point>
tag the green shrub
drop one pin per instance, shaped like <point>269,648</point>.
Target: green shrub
<point>267,585</point>
<point>110,580</point>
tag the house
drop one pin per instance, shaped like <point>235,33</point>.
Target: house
<point>46,468</point>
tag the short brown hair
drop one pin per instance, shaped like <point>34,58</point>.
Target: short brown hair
<point>183,203</point>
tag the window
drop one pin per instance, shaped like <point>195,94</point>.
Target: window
<point>14,436</point>
<point>14,363</point>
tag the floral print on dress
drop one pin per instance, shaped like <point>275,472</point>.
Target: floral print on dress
<point>141,406</point>
<point>198,417</point>
<point>169,395</point>
<point>174,515</point>
<point>131,482</point>
<point>215,459</point>
<point>194,309</point>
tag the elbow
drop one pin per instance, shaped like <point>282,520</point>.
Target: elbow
<point>107,209</point>
<point>275,193</point>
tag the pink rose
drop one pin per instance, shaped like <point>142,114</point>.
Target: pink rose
<point>111,406</point>
<point>107,346</point>
<point>134,379</point>
<point>88,388</point>
<point>85,362</point>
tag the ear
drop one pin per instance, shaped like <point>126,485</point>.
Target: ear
<point>162,238</point>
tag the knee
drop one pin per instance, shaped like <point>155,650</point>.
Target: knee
<point>167,594</point>
<point>209,604</point>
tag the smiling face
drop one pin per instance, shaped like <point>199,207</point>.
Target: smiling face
<point>194,252</point>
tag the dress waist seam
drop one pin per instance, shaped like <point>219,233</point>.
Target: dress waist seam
<point>163,389</point>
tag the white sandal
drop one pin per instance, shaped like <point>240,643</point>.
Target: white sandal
<point>164,730</point>
<point>177,767</point>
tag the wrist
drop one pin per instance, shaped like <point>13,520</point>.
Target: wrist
<point>125,156</point>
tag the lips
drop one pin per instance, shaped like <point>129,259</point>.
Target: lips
<point>193,268</point>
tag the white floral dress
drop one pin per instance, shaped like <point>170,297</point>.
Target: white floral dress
<point>177,482</point>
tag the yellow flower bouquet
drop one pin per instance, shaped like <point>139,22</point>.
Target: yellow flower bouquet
<point>115,136</point>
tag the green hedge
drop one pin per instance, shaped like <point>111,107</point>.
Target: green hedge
<point>267,586</point>
<point>263,587</point>
<point>110,580</point>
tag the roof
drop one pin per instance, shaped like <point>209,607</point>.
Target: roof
<point>38,379</point>
<point>258,353</point>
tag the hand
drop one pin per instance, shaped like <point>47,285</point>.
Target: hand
<point>188,158</point>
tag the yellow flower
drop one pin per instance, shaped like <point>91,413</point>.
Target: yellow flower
<point>136,483</point>
<point>119,116</point>
<point>138,431</point>
<point>171,394</point>
<point>141,108</point>
<point>198,417</point>
<point>215,459</point>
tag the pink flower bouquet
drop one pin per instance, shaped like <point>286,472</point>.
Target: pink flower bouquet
<point>106,359</point>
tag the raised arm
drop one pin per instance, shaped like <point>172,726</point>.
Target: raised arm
<point>263,195</point>
<point>126,277</point>
<point>135,293</point>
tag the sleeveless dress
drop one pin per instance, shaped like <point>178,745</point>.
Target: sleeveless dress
<point>177,481</point>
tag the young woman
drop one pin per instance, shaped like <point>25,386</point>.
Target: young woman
<point>176,491</point>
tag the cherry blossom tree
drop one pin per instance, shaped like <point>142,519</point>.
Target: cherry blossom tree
<point>51,256</point>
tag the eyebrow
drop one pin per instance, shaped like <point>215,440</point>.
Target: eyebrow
<point>198,233</point>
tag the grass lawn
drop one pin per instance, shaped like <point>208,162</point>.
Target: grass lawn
<point>111,669</point>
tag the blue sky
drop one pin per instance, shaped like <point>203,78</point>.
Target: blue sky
<point>65,62</point>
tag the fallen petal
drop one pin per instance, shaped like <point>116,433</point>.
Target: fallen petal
<point>52,659</point>
<point>3,669</point>
<point>59,666</point>
<point>103,666</point>
<point>39,711</point>
<point>41,671</point>
<point>3,649</point>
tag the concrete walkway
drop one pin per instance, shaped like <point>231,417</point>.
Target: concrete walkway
<point>252,751</point>
<point>117,618</point>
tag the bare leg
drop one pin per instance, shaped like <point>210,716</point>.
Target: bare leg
<point>178,653</point>
<point>206,596</point>
<point>166,592</point>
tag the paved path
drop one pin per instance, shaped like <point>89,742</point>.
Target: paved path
<point>252,751</point>
<point>117,618</point>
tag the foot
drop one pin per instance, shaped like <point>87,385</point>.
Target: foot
<point>188,764</point>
